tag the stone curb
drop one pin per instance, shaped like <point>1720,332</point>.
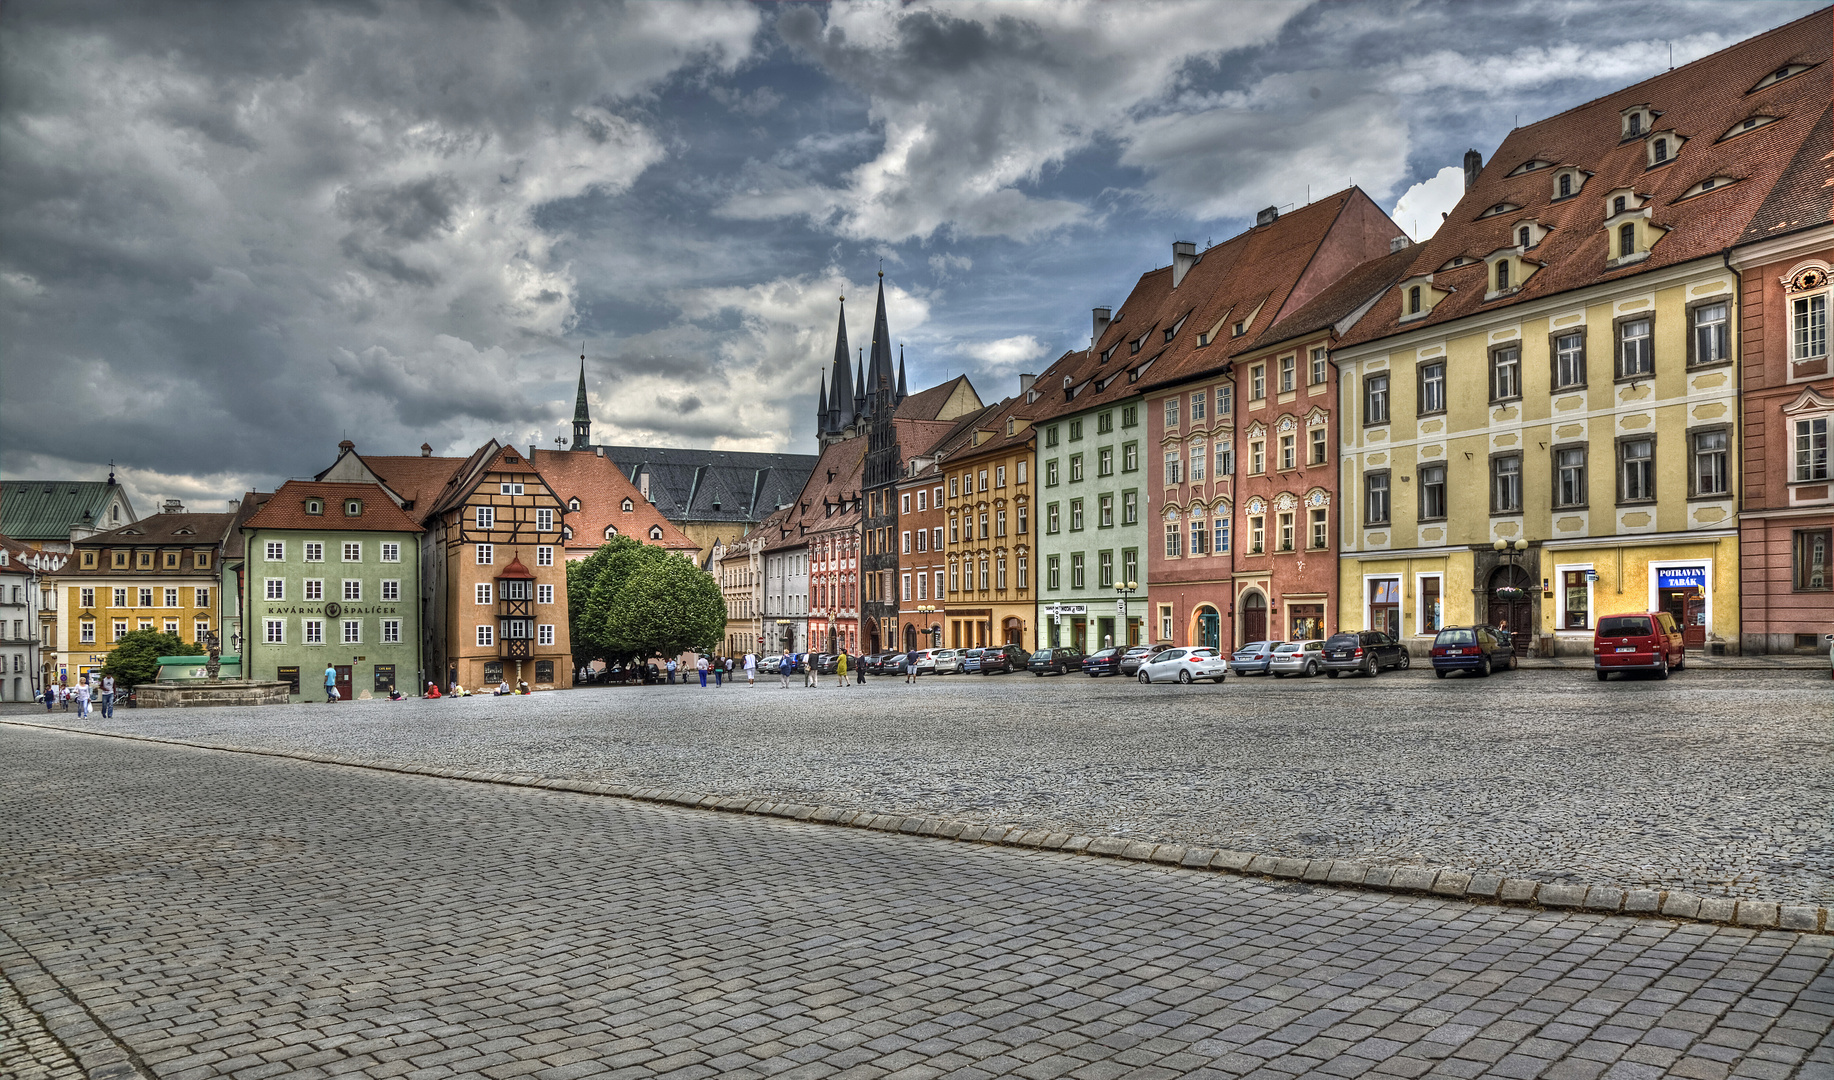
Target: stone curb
<point>1451,884</point>
<point>95,1049</point>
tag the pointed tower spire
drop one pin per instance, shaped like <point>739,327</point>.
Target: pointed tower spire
<point>900,372</point>
<point>841,403</point>
<point>822,417</point>
<point>861,403</point>
<point>879,369</point>
<point>582,416</point>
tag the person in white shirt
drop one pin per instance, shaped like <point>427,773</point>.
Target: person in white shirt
<point>82,699</point>
<point>751,669</point>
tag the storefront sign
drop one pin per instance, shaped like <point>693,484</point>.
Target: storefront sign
<point>1681,577</point>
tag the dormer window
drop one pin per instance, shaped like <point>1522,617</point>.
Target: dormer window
<point>1533,165</point>
<point>1638,120</point>
<point>1522,237</point>
<point>610,531</point>
<point>655,532</point>
<point>572,505</point>
<point>1659,151</point>
<point>353,508</point>
<point>1499,208</point>
<point>1456,261</point>
<point>1172,330</point>
<point>1617,205</point>
<point>1663,148</point>
<point>1777,76</point>
<point>1502,276</point>
<point>1238,329</point>
<point>1633,125</point>
<point>1567,182</point>
<point>1711,183</point>
<point>1413,300</point>
<point>1749,123</point>
<point>626,506</point>
<point>1627,240</point>
<point>1565,186</point>
<point>314,506</point>
<point>1109,351</point>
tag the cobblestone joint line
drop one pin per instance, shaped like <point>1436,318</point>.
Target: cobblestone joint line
<point>1478,888</point>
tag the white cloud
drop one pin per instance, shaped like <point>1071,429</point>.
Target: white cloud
<point>1422,207</point>
<point>1005,355</point>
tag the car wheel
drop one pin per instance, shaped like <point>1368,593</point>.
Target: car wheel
<point>1484,671</point>
<point>1370,667</point>
<point>1512,661</point>
<point>1437,674</point>
<point>1184,677</point>
<point>1311,670</point>
<point>1407,660</point>
<point>1145,678</point>
<point>1662,666</point>
<point>1681,663</point>
<point>1600,672</point>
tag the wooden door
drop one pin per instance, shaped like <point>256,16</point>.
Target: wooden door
<point>1254,618</point>
<point>344,681</point>
<point>1511,606</point>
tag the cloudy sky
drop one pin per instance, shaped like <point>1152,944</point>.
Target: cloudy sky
<point>232,234</point>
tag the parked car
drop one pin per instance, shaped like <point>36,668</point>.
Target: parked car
<point>946,661</point>
<point>1367,651</point>
<point>1253,658</point>
<point>971,661</point>
<point>926,661</point>
<point>1185,664</point>
<point>825,663</point>
<point>1061,661</point>
<point>1508,637</point>
<point>1639,641</point>
<point>885,663</point>
<point>1477,649</point>
<point>1103,662</point>
<point>1302,658</point>
<point>1134,657</point>
<point>1004,659</point>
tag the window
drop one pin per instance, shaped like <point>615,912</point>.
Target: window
<point>390,552</point>
<point>1432,492</point>
<point>1321,535</point>
<point>353,631</point>
<point>1287,373</point>
<point>1050,473</point>
<point>1225,400</point>
<point>1375,399</point>
<point>1257,382</point>
<point>1569,350</point>
<point>391,590</point>
<point>315,632</point>
<point>1130,565</point>
<point>923,499</point>
<point>955,582</point>
<point>905,541</point>
<point>1565,185</point>
<point>1225,457</point>
<point>146,598</point>
<point>1286,530</point>
<point>1130,508</point>
<point>1626,240</point>
<point>1320,364</point>
<point>544,520</point>
<point>353,552</point>
<point>201,560</point>
<point>1199,406</point>
<point>1636,470</point>
<point>1413,300</point>
<point>1200,457</point>
<point>1257,535</point>
<point>983,575</point>
<point>983,524</point>
<point>120,629</point>
<point>171,627</point>
<point>1635,357</point>
<point>1257,457</point>
<point>544,556</point>
<point>1617,205</point>
<point>353,590</point>
<point>1076,570</point>
<point>936,533</point>
<point>314,588</point>
<point>923,538</point>
<point>1808,327</point>
<point>1522,237</point>
<point>1219,540</point>
<point>1502,275</point>
<point>276,589</point>
<point>1053,573</point>
<point>1506,484</point>
<point>999,523</point>
<point>1433,387</point>
<point>1172,541</point>
<point>905,594</point>
<point>391,631</point>
<point>954,492</point>
<point>1288,453</point>
<point>487,517</point>
<point>87,633</point>
<point>1104,461</point>
<point>1050,435</point>
<point>1375,498</point>
<point>1708,336</point>
<point>1171,412</point>
<point>1200,531</point>
<point>1318,447</point>
<point>1660,151</point>
<point>1811,449</point>
<point>1810,558</point>
<point>1076,515</point>
<point>1174,467</point>
<point>999,476</point>
<point>939,580</point>
<point>1076,434</point>
<point>482,592</point>
<point>1570,476</point>
<point>1076,467</point>
<point>487,635</point>
<point>999,572</point>
<point>509,488</point>
<point>1106,511</point>
<point>486,554</point>
<point>1506,373</point>
<point>1130,457</point>
<point>88,597</point>
<point>274,631</point>
<point>544,634</point>
<point>1707,451</point>
<point>314,552</point>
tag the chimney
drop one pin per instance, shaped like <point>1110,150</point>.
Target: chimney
<point>1102,317</point>
<point>426,450</point>
<point>1184,256</point>
<point>1025,382</point>
<point>1397,243</point>
<point>172,506</point>
<point>1474,164</point>
<point>1268,216</point>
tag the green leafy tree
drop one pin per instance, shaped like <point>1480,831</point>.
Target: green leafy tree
<point>591,584</point>
<point>135,657</point>
<point>666,608</point>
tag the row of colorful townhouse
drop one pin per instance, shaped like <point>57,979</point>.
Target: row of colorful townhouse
<point>1602,385</point>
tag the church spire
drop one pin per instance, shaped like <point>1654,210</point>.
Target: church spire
<point>860,400</point>
<point>582,416</point>
<point>900,397</point>
<point>821,411</point>
<point>840,402</point>
<point>879,369</point>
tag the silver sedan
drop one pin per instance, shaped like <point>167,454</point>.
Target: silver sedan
<point>1185,665</point>
<point>1302,658</point>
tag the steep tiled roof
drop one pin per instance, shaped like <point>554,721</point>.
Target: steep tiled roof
<point>1342,299</point>
<point>234,547</point>
<point>414,478</point>
<point>46,509</point>
<point>1804,195</point>
<point>928,404</point>
<point>1701,102</point>
<point>165,530</point>
<point>833,492</point>
<point>286,509</point>
<point>601,488</point>
<point>18,558</point>
<point>684,484</point>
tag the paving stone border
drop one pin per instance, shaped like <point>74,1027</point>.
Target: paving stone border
<point>79,1044</point>
<point>1345,873</point>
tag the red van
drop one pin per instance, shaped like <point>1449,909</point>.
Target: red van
<point>1641,641</point>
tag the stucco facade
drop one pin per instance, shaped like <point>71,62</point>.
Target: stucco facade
<point>989,505</point>
<point>1092,531</point>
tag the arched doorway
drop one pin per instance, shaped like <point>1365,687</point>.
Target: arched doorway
<point>910,637</point>
<point>873,637</point>
<point>1254,616</point>
<point>1014,631</point>
<point>1512,605</point>
<point>1208,626</point>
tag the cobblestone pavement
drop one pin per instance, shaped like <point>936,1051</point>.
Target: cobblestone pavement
<point>1717,784</point>
<point>229,915</point>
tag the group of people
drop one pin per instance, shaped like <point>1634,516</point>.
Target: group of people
<point>504,689</point>
<point>82,695</point>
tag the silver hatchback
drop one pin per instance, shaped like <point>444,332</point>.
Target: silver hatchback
<point>1302,658</point>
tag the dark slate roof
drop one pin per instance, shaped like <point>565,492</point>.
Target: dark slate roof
<point>46,509</point>
<point>684,484</point>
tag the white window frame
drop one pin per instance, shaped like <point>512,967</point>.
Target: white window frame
<point>487,635</point>
<point>390,552</point>
<point>544,555</point>
<point>486,517</point>
<point>1559,583</point>
<point>544,594</point>
<point>353,551</point>
<point>1657,565</point>
<point>310,628</point>
<point>353,589</point>
<point>390,589</point>
<point>544,633</point>
<point>275,589</point>
<point>1419,621</point>
<point>353,632</point>
<point>314,551</point>
<point>391,631</point>
<point>544,519</point>
<point>486,554</point>
<point>274,631</point>
<point>276,551</point>
<point>1369,608</point>
<point>1796,338</point>
<point>482,592</point>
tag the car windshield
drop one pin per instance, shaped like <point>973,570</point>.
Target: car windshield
<point>1342,639</point>
<point>1253,646</point>
<point>1104,652</point>
<point>1455,637</point>
<point>1624,626</point>
<point>1289,647</point>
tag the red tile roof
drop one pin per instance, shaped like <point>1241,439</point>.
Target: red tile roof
<point>830,500</point>
<point>1701,102</point>
<point>286,509</point>
<point>416,479</point>
<point>601,488</point>
<point>1804,195</point>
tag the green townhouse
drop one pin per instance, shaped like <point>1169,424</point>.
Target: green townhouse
<point>1092,498</point>
<point>332,580</point>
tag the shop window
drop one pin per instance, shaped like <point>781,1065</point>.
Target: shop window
<point>1575,600</point>
<point>1385,606</point>
<point>1431,608</point>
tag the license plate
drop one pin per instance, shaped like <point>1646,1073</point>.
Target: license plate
<point>1339,655</point>
<point>1631,649</point>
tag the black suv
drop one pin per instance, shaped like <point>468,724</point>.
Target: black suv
<point>1004,659</point>
<point>1367,651</point>
<point>1062,661</point>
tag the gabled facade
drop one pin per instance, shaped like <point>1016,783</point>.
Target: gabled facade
<point>601,503</point>
<point>989,505</point>
<point>922,548</point>
<point>1580,456</point>
<point>27,618</point>
<point>50,515</point>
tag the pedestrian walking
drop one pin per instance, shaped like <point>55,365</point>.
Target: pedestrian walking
<point>786,664</point>
<point>331,684</point>
<point>63,696</point>
<point>751,668</point>
<point>720,666</point>
<point>910,665</point>
<point>859,669</point>
<point>840,669</point>
<point>701,664</point>
<point>808,670</point>
<point>49,697</point>
<point>671,666</point>
<point>82,700</point>
<point>108,697</point>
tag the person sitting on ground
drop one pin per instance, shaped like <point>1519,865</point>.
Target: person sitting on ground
<point>394,694</point>
<point>522,686</point>
<point>502,689</point>
<point>433,690</point>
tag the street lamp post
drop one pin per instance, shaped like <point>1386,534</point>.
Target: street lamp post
<point>935,632</point>
<point>1123,590</point>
